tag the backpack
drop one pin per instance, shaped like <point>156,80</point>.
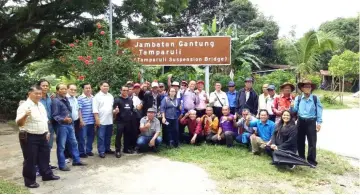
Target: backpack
<point>314,99</point>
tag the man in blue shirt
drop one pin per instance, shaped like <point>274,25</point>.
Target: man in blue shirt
<point>309,110</point>
<point>61,112</point>
<point>46,101</point>
<point>231,94</point>
<point>265,129</point>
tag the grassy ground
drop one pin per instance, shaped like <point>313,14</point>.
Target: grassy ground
<point>236,170</point>
<point>349,100</point>
<point>7,187</point>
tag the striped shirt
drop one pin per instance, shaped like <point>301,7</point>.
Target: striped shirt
<point>85,105</point>
<point>37,122</point>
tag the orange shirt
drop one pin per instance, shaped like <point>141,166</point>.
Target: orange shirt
<point>282,103</point>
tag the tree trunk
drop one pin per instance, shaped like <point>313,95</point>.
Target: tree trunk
<point>342,93</point>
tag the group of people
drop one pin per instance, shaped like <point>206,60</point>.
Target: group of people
<point>145,115</point>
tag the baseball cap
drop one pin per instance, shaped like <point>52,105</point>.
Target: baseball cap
<point>249,79</point>
<point>271,87</point>
<point>151,110</point>
<point>231,84</point>
<point>200,81</point>
<point>175,83</point>
<point>161,85</point>
<point>136,85</point>
<point>154,84</point>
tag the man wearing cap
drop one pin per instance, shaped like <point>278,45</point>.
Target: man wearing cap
<point>270,102</point>
<point>151,99</point>
<point>247,98</point>
<point>162,91</point>
<point>195,135</point>
<point>138,106</point>
<point>263,97</point>
<point>283,101</point>
<point>124,108</point>
<point>150,132</point>
<point>309,110</point>
<point>203,99</point>
<point>218,99</point>
<point>232,94</point>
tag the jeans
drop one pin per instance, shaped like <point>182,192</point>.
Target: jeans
<point>104,138</point>
<point>172,132</point>
<point>244,138</point>
<point>143,142</point>
<point>85,137</point>
<point>66,136</point>
<point>36,152</point>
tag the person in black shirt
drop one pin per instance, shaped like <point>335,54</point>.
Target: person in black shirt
<point>285,136</point>
<point>124,114</point>
<point>247,98</point>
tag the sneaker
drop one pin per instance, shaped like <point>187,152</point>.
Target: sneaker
<point>109,152</point>
<point>79,164</point>
<point>66,168</point>
<point>67,160</point>
<point>291,167</point>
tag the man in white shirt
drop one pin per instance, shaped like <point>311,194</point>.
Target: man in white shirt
<point>103,113</point>
<point>270,102</point>
<point>203,99</point>
<point>218,99</point>
<point>263,97</point>
<point>32,120</point>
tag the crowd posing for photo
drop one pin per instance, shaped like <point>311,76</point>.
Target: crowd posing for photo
<point>146,115</point>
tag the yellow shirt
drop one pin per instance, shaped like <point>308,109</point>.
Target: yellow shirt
<point>37,122</point>
<point>208,127</point>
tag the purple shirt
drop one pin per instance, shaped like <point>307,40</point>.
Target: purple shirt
<point>190,100</point>
<point>227,125</point>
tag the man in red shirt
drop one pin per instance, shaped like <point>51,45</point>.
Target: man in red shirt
<point>195,135</point>
<point>283,101</point>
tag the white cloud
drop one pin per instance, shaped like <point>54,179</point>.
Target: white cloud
<point>306,14</point>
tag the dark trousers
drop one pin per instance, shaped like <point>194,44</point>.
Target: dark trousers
<point>200,113</point>
<point>209,138</point>
<point>272,118</point>
<point>307,128</point>
<point>137,131</point>
<point>171,132</point>
<point>218,111</point>
<point>36,152</point>
<point>232,110</point>
<point>188,137</point>
<point>22,140</point>
<point>182,129</point>
<point>125,128</point>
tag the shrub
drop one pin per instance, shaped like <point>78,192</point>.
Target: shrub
<point>95,60</point>
<point>13,88</point>
<point>328,99</point>
<point>276,78</point>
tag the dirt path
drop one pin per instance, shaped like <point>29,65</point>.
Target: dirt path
<point>129,174</point>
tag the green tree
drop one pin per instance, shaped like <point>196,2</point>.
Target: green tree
<point>346,64</point>
<point>303,52</point>
<point>345,28</point>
